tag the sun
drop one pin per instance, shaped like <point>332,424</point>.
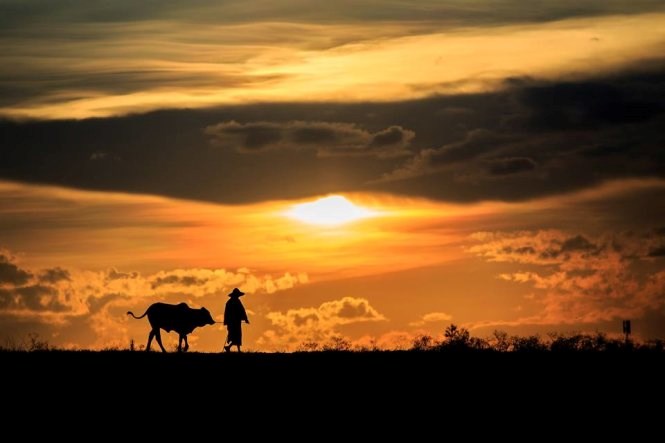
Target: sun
<point>329,211</point>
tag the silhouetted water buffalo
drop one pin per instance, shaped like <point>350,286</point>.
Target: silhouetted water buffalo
<point>180,318</point>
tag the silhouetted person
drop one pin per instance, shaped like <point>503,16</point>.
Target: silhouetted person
<point>234,315</point>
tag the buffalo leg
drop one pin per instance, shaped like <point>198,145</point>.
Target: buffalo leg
<point>158,336</point>
<point>184,337</point>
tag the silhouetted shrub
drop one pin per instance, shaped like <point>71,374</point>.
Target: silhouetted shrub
<point>308,346</point>
<point>479,344</point>
<point>531,343</point>
<point>456,338</point>
<point>337,344</point>
<point>500,341</point>
<point>37,344</point>
<point>568,343</point>
<point>656,345</point>
<point>601,343</point>
<point>423,342</point>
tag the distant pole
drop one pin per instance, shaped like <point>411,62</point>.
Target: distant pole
<point>626,329</point>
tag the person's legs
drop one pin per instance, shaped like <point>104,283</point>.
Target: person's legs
<point>234,337</point>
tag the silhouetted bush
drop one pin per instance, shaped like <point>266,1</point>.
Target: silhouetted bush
<point>372,346</point>
<point>337,344</point>
<point>531,343</point>
<point>568,343</point>
<point>479,344</point>
<point>456,338</point>
<point>500,341</point>
<point>656,345</point>
<point>601,343</point>
<point>37,344</point>
<point>423,342</point>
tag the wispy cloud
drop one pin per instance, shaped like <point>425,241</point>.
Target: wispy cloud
<point>79,66</point>
<point>432,317</point>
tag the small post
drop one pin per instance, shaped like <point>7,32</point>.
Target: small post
<point>626,330</point>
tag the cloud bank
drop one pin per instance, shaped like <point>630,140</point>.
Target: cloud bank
<point>317,324</point>
<point>578,278</point>
<point>92,305</point>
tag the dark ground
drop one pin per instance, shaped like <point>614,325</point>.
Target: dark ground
<point>401,371</point>
<point>393,387</point>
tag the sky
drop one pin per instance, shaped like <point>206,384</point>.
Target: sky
<point>370,170</point>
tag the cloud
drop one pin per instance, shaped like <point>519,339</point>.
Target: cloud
<point>11,274</point>
<point>545,131</point>
<point>657,252</point>
<point>500,148</point>
<point>327,138</point>
<point>54,275</point>
<point>77,61</point>
<point>510,165</point>
<point>452,13</point>
<point>290,328</point>
<point>477,144</point>
<point>34,298</point>
<point>579,278</point>
<point>432,317</point>
<point>582,106</point>
<point>203,282</point>
<point>114,274</point>
<point>391,340</point>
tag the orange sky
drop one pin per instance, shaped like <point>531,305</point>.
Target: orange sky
<point>414,266</point>
<point>370,170</point>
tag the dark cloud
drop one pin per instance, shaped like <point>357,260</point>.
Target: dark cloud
<point>582,106</point>
<point>12,274</point>
<point>54,275</point>
<point>326,138</point>
<point>38,298</point>
<point>19,292</point>
<point>476,143</point>
<point>566,135</point>
<point>114,274</point>
<point>25,13</point>
<point>184,280</point>
<point>354,309</point>
<point>393,136</point>
<point>657,252</point>
<point>577,243</point>
<point>519,250</point>
<point>528,140</point>
<point>514,165</point>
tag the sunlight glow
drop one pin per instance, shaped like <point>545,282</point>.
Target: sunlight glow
<point>329,211</point>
